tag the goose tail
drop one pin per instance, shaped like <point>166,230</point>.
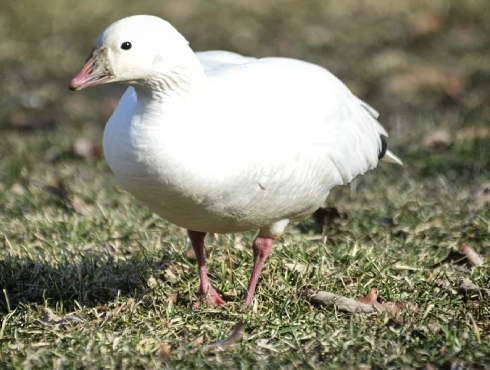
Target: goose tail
<point>389,157</point>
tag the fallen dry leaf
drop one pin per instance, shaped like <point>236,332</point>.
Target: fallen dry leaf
<point>370,298</point>
<point>197,342</point>
<point>163,352</point>
<point>173,298</point>
<point>78,205</point>
<point>224,344</point>
<point>402,306</point>
<point>86,149</point>
<point>393,307</point>
<point>436,140</point>
<point>426,23</point>
<point>473,257</point>
<point>190,254</point>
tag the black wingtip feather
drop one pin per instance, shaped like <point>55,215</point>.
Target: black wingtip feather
<point>384,147</point>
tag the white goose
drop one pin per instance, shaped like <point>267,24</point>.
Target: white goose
<point>217,142</point>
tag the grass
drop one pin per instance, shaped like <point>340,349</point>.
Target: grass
<point>94,255</point>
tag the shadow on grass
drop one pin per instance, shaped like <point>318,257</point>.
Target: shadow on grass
<point>94,280</point>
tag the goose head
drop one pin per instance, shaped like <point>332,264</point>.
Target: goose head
<point>135,50</point>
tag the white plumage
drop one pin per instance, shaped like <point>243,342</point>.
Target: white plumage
<point>218,142</point>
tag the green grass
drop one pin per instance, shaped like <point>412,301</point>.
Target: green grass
<point>122,270</point>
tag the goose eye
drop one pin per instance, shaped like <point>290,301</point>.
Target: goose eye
<point>126,45</point>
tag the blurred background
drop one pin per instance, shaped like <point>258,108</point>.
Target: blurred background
<point>424,64</point>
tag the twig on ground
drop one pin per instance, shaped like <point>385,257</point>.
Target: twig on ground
<point>232,340</point>
<point>342,303</point>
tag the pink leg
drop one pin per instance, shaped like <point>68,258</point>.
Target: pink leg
<point>205,288</point>
<point>262,248</point>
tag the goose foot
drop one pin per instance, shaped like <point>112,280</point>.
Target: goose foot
<point>206,290</point>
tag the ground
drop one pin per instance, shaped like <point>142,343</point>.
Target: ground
<point>91,279</point>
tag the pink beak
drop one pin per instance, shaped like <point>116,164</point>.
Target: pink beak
<point>94,72</point>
